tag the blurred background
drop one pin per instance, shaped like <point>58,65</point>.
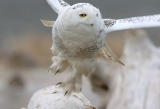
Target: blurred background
<point>25,43</point>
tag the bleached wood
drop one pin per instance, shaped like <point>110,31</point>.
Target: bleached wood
<point>139,86</point>
<point>54,98</point>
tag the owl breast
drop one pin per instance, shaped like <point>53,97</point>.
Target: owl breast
<point>70,49</point>
<point>72,44</point>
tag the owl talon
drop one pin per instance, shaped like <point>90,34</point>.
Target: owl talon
<point>59,65</point>
<point>60,84</point>
<point>66,93</point>
<point>57,71</point>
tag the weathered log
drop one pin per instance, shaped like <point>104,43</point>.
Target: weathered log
<point>54,98</point>
<point>139,86</point>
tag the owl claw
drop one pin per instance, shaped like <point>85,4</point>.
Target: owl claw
<point>57,71</point>
<point>59,65</point>
<point>59,84</point>
<point>66,93</point>
<point>70,88</point>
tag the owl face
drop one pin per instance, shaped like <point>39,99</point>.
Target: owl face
<point>82,17</point>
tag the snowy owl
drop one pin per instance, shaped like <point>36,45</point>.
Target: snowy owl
<point>79,34</point>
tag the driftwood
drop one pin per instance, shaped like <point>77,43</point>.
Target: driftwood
<point>137,84</point>
<point>54,98</point>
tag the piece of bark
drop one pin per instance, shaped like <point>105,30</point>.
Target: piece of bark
<point>54,98</point>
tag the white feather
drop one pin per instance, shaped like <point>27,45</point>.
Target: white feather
<point>57,5</point>
<point>133,23</point>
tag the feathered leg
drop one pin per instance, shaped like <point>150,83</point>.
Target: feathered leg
<point>59,65</point>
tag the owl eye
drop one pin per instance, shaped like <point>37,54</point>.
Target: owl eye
<point>83,15</point>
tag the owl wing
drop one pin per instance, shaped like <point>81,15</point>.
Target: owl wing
<point>132,23</point>
<point>47,23</point>
<point>107,53</point>
<point>57,5</point>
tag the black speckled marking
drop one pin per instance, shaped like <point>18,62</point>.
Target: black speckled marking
<point>63,3</point>
<point>153,18</point>
<point>92,25</point>
<point>97,14</point>
<point>109,22</point>
<point>89,50</point>
<point>101,31</point>
<point>79,5</point>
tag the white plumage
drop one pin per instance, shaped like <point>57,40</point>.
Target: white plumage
<point>134,22</point>
<point>79,34</point>
<point>57,5</point>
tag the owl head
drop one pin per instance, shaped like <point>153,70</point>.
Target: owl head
<point>81,17</point>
